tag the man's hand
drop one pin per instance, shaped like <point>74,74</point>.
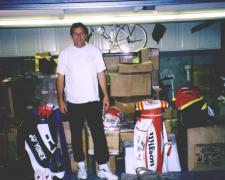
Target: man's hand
<point>106,103</point>
<point>62,107</point>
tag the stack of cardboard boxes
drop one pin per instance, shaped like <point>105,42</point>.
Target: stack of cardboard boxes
<point>130,79</point>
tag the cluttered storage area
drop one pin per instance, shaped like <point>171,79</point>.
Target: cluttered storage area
<point>167,100</point>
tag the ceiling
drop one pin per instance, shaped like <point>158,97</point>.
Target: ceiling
<point>104,4</point>
<point>61,9</point>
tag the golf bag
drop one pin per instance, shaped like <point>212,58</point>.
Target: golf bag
<point>192,107</point>
<point>192,112</point>
<point>150,138</point>
<point>41,143</point>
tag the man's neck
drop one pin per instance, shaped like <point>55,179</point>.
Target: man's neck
<point>79,45</point>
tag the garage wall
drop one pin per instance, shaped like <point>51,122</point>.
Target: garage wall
<point>177,37</point>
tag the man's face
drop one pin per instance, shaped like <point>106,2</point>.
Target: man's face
<point>78,37</point>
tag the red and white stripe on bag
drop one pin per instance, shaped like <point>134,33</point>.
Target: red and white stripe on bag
<point>151,104</point>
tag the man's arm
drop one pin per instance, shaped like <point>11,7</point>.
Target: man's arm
<point>102,82</point>
<point>60,88</point>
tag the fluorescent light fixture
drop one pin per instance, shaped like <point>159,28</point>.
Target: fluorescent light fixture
<point>110,18</point>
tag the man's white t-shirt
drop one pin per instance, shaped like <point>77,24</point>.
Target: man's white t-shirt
<point>80,67</point>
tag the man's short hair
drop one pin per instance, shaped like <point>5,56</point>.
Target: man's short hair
<point>76,25</point>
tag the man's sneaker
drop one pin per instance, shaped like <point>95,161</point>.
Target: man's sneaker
<point>106,173</point>
<point>82,172</point>
<point>38,175</point>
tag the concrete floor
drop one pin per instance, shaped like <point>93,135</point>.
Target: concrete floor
<point>21,170</point>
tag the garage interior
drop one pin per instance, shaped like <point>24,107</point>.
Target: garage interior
<point>151,49</point>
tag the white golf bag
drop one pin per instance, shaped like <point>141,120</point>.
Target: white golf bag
<point>151,146</point>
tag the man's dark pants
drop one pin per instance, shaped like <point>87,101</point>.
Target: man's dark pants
<point>92,112</point>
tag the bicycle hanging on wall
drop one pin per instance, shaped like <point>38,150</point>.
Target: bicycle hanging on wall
<point>121,38</point>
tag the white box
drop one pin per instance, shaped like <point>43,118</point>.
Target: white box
<point>129,160</point>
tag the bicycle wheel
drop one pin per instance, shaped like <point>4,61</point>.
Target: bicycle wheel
<point>131,38</point>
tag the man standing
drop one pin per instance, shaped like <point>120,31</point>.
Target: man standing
<point>80,68</point>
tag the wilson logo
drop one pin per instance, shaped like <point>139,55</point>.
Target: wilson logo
<point>151,148</point>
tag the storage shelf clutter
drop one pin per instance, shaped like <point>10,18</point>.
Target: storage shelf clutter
<point>131,78</point>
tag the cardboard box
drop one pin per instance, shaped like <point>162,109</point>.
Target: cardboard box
<point>69,145</point>
<point>73,163</point>
<point>3,148</point>
<point>112,138</point>
<point>12,143</point>
<point>126,135</point>
<point>150,54</point>
<point>127,105</point>
<point>127,108</point>
<point>206,147</point>
<point>7,103</point>
<point>111,62</point>
<point>124,85</point>
<point>155,78</point>
<point>221,108</point>
<point>128,59</point>
<point>67,132</point>
<point>135,68</point>
<point>205,77</point>
<point>129,161</point>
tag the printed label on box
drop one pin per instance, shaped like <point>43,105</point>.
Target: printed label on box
<point>210,155</point>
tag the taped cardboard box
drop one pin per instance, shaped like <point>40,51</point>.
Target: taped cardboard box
<point>112,138</point>
<point>135,68</point>
<point>206,147</point>
<point>111,62</point>
<point>69,145</point>
<point>126,85</point>
<point>127,105</point>
<point>129,59</point>
<point>127,108</point>
<point>127,135</point>
<point>150,54</point>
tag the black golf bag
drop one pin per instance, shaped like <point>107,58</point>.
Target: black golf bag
<point>41,142</point>
<point>192,112</point>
